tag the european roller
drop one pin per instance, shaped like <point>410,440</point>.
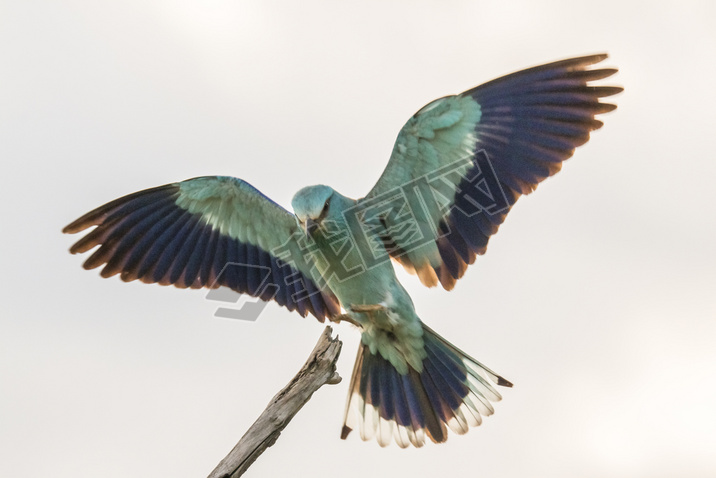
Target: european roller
<point>457,168</point>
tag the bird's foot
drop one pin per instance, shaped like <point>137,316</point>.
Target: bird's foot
<point>344,318</point>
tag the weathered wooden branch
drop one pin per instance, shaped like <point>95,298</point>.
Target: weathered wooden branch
<point>319,369</point>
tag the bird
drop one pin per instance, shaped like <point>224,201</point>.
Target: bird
<point>456,170</point>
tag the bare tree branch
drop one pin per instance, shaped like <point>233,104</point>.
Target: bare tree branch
<point>319,369</point>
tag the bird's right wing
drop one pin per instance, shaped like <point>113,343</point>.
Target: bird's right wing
<point>460,163</point>
<point>206,232</point>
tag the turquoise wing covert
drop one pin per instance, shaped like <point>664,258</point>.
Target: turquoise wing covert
<point>461,162</point>
<point>205,232</point>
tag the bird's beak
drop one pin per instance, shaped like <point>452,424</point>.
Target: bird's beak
<point>310,226</point>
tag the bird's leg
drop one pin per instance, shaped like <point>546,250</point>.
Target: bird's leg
<point>368,308</point>
<point>358,314</point>
<point>344,318</point>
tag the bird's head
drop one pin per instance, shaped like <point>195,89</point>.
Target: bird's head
<point>311,205</point>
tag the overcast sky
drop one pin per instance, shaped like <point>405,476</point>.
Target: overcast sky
<point>597,298</point>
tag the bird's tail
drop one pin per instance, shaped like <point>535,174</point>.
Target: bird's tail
<point>452,389</point>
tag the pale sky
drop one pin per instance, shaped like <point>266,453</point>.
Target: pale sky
<point>597,298</point>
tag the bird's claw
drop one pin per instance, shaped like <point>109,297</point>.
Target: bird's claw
<point>344,318</point>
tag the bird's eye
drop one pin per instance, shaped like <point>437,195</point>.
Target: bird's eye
<point>328,203</point>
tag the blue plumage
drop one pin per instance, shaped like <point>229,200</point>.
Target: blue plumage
<point>457,168</point>
<point>148,236</point>
<point>417,415</point>
<point>277,267</point>
<point>450,366</point>
<point>415,401</point>
<point>229,274</point>
<point>196,256</point>
<point>185,251</point>
<point>456,241</point>
<point>435,395</point>
<point>155,225</point>
<point>265,291</point>
<point>253,276</point>
<point>400,402</point>
<point>386,403</point>
<point>171,251</point>
<point>221,257</point>
<point>374,366</point>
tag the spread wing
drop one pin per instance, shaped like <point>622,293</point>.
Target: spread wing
<point>205,232</point>
<point>461,162</point>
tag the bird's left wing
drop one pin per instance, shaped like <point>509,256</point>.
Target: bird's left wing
<point>461,162</point>
<point>206,232</point>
